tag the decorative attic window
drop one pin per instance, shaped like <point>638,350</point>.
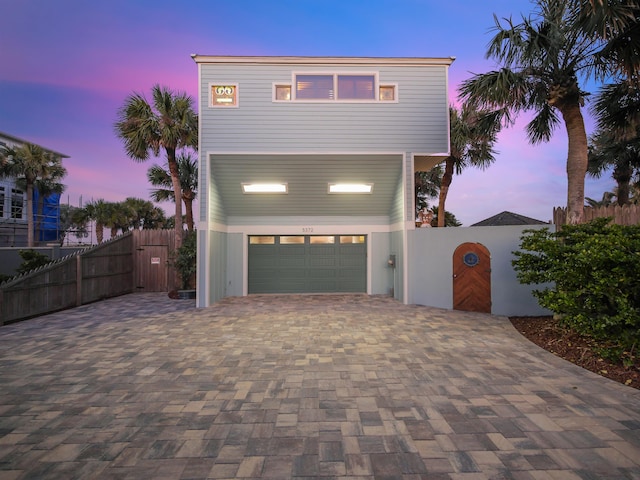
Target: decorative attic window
<point>224,95</point>
<point>281,92</point>
<point>388,93</point>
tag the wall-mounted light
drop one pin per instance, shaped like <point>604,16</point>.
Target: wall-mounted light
<point>264,188</point>
<point>350,187</point>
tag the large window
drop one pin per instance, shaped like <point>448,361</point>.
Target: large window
<point>316,87</point>
<point>338,87</point>
<point>356,87</point>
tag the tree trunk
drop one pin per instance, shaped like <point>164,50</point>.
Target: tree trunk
<point>99,232</point>
<point>576,161</point>
<point>622,174</point>
<point>177,192</point>
<point>30,226</point>
<point>188,207</point>
<point>444,190</point>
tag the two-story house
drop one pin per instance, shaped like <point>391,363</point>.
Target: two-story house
<point>307,171</point>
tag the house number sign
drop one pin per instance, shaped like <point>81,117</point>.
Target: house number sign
<point>224,95</point>
<point>307,229</point>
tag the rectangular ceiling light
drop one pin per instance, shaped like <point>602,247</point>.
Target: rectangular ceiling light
<point>350,187</point>
<point>264,188</point>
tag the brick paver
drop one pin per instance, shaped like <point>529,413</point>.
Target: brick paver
<point>326,386</point>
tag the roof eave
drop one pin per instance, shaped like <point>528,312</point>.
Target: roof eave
<point>288,60</point>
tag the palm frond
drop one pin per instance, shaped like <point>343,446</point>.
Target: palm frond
<point>542,126</point>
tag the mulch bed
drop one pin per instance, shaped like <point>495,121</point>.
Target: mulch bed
<point>579,349</point>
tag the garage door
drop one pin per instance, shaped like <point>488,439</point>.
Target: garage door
<point>307,263</point>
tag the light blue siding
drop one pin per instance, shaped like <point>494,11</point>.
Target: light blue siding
<point>261,125</point>
<point>217,257</point>
<point>235,272</point>
<point>381,273</point>
<point>397,249</point>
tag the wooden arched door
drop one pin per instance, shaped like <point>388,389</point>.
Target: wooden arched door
<point>472,278</point>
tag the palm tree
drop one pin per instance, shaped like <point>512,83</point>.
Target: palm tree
<point>143,214</point>
<point>473,134</point>
<point>427,185</point>
<point>617,23</point>
<point>170,124</point>
<point>120,216</point>
<point>541,59</point>
<point>99,212</point>
<point>30,163</point>
<point>72,220</point>
<point>450,218</point>
<point>605,151</point>
<point>188,171</point>
<point>607,199</point>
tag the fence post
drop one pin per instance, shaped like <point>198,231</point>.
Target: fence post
<point>78,280</point>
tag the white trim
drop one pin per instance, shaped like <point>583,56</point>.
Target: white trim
<point>245,264</point>
<point>210,95</point>
<point>405,234</point>
<point>307,229</point>
<point>448,119</point>
<point>276,60</point>
<point>306,152</point>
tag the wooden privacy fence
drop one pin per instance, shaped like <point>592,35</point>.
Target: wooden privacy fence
<point>113,268</point>
<point>622,215</point>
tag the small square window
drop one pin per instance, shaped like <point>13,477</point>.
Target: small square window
<point>387,93</point>
<point>292,240</point>
<point>283,92</point>
<point>262,240</point>
<point>322,240</point>
<point>224,95</point>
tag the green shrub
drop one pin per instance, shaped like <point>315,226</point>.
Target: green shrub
<point>31,260</point>
<point>589,276</point>
<point>185,261</point>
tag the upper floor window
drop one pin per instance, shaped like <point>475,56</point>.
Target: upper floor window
<point>335,87</point>
<point>17,203</point>
<point>224,95</point>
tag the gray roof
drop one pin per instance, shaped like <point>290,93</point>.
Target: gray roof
<point>508,218</point>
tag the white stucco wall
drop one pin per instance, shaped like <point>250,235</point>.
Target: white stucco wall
<point>431,267</point>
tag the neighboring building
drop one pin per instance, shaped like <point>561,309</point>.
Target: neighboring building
<point>508,218</point>
<point>13,214</point>
<point>335,143</point>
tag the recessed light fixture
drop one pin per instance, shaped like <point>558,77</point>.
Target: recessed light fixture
<point>350,187</point>
<point>264,188</point>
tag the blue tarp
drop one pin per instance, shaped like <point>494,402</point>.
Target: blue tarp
<point>47,227</point>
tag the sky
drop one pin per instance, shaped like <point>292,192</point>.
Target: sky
<point>68,65</point>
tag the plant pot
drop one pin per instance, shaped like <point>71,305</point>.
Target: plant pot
<point>186,294</point>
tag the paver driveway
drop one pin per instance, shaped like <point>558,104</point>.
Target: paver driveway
<point>300,386</point>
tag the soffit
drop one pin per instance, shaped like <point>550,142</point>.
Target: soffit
<point>307,177</point>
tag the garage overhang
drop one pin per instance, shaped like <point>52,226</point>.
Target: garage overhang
<point>307,178</point>
<point>424,163</point>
